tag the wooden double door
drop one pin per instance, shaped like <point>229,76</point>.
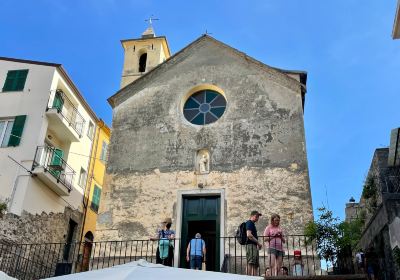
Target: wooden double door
<point>201,214</point>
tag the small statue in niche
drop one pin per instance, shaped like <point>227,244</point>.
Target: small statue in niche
<point>203,164</point>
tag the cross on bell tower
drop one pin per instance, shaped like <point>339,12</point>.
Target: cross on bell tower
<point>149,32</point>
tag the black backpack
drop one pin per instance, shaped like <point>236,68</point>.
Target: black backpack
<point>241,234</point>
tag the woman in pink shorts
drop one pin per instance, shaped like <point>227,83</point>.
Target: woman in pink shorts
<point>274,240</point>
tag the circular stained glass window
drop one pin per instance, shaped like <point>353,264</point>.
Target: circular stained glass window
<point>204,107</point>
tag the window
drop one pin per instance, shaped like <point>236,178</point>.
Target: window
<point>5,131</point>
<point>142,62</point>
<point>96,198</point>
<point>103,155</point>
<point>11,131</point>
<point>82,178</point>
<point>90,131</point>
<point>15,80</point>
<point>204,107</point>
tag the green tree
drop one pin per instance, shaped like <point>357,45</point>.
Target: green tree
<point>370,193</point>
<point>332,236</point>
<point>325,232</point>
<point>3,208</point>
<point>350,233</point>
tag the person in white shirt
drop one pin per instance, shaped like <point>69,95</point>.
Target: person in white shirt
<point>360,261</point>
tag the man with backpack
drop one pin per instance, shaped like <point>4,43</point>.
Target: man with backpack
<point>252,246</point>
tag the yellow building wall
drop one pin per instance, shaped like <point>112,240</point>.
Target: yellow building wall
<point>95,177</point>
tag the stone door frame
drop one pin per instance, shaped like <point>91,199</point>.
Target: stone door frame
<point>179,209</point>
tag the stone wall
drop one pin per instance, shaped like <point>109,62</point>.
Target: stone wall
<point>32,246</point>
<point>44,228</point>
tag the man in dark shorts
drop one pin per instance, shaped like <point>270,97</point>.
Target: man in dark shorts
<point>196,252</point>
<point>252,245</point>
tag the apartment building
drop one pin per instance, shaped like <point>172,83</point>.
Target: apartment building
<point>46,139</point>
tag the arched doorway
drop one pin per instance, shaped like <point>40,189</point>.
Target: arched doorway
<point>87,250</point>
<point>142,62</point>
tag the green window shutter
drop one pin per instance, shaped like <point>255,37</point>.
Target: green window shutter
<point>9,84</point>
<point>57,157</point>
<point>21,79</point>
<point>58,102</point>
<point>16,131</point>
<point>56,163</point>
<point>15,80</point>
<point>96,198</point>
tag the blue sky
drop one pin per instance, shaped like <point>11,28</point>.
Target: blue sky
<point>345,46</point>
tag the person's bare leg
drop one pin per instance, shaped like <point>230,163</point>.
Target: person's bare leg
<point>254,270</point>
<point>273,265</point>
<point>248,269</point>
<point>279,261</point>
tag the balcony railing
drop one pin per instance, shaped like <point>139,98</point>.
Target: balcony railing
<point>392,184</point>
<point>68,111</point>
<point>34,261</point>
<point>51,159</point>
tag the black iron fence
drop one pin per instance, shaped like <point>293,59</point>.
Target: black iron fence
<point>37,261</point>
<point>68,111</point>
<point>51,159</point>
<point>296,256</point>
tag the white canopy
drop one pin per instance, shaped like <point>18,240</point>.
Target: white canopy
<point>143,270</point>
<point>4,276</point>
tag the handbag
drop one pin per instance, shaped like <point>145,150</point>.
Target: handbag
<point>203,266</point>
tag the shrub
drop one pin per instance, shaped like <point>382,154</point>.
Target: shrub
<point>3,208</point>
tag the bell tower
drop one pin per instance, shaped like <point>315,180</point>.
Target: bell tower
<point>143,54</point>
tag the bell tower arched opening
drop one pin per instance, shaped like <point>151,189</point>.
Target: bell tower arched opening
<point>142,63</point>
<point>143,54</point>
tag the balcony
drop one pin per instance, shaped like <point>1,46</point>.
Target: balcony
<point>64,118</point>
<point>50,168</point>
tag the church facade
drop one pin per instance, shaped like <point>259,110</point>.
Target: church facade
<point>205,137</point>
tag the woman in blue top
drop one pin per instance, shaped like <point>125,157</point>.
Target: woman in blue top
<point>196,252</point>
<point>165,238</point>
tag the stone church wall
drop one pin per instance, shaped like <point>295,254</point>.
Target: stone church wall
<point>257,148</point>
<point>134,205</point>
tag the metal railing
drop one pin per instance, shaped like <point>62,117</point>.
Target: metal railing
<point>36,261</point>
<point>306,262</point>
<point>68,111</point>
<point>392,184</point>
<point>52,161</point>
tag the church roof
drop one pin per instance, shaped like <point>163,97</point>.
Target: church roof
<point>303,74</point>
